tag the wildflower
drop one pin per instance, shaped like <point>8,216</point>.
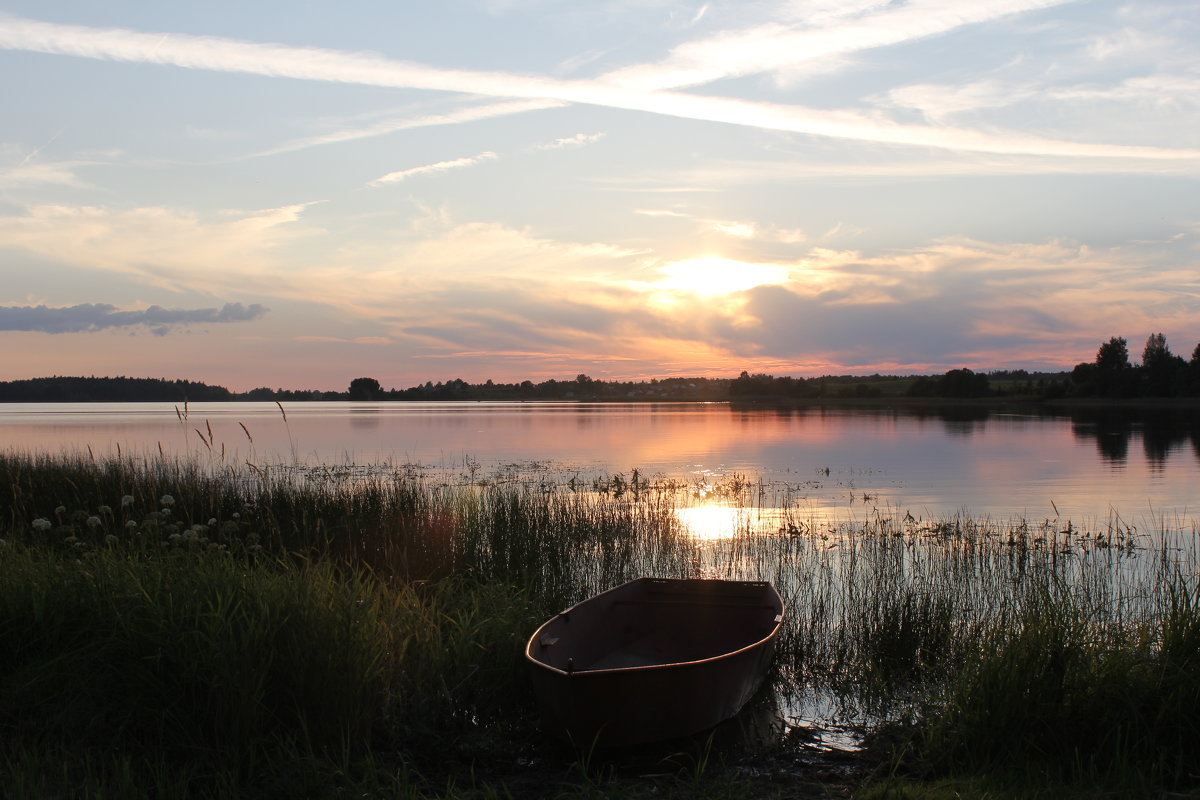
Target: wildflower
<point>71,540</point>
<point>41,524</point>
<point>126,500</point>
<point>166,512</point>
<point>60,510</point>
<point>131,524</point>
<point>212,521</point>
<point>236,515</point>
<point>167,500</point>
<point>110,540</point>
<point>94,522</point>
<point>104,510</point>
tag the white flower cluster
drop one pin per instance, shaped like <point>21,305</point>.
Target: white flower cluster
<point>195,535</point>
<point>85,532</point>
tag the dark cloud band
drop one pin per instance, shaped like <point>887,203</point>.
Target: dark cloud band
<point>89,317</point>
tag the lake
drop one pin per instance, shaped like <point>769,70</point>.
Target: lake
<point>1086,465</point>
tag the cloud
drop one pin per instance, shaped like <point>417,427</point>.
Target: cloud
<point>344,340</point>
<point>942,102</point>
<point>791,50</point>
<point>949,304</point>
<point>228,252</point>
<point>277,253</point>
<point>32,173</point>
<point>737,229</point>
<point>91,317</point>
<point>439,286</point>
<point>578,140</point>
<point>718,174</point>
<point>392,125</point>
<point>660,212</point>
<point>962,302</point>
<point>441,166</point>
<point>736,54</point>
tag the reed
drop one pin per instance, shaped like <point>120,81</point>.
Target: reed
<point>161,613</point>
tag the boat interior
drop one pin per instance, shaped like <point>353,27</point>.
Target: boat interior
<point>655,622</point>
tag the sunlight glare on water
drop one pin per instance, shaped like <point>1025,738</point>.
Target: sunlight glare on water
<point>710,522</point>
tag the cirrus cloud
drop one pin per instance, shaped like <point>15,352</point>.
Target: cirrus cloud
<point>440,166</point>
<point>652,89</point>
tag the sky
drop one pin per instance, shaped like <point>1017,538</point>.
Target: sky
<point>296,194</point>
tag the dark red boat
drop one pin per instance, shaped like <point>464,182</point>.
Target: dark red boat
<point>653,659</point>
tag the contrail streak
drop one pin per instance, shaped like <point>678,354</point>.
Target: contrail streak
<point>310,63</point>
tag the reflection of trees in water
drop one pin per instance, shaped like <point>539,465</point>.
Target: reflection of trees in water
<point>364,418</point>
<point>1112,433</point>
<point>959,421</point>
<point>1161,430</point>
<point>1160,437</point>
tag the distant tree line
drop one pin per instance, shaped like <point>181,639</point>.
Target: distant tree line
<point>140,390</point>
<point>108,390</point>
<point>582,387</point>
<point>1160,374</point>
<point>760,385</point>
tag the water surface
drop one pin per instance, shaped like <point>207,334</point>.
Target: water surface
<point>1090,465</point>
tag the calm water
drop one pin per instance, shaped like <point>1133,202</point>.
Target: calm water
<point>998,464</point>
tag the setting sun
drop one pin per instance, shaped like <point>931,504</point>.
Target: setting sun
<point>713,276</point>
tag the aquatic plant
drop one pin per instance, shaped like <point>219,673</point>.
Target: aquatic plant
<point>238,617</point>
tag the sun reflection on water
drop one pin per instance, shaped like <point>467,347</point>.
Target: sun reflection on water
<point>711,522</point>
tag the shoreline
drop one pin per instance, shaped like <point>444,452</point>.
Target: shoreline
<point>884,402</point>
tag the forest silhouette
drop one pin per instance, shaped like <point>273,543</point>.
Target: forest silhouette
<point>1111,375</point>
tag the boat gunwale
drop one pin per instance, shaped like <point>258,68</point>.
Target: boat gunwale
<point>666,665</point>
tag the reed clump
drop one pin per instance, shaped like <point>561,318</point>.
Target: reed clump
<point>1060,693</point>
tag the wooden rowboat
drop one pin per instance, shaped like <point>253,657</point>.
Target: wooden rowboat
<point>653,659</point>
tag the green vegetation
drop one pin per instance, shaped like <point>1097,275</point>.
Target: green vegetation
<point>182,631</point>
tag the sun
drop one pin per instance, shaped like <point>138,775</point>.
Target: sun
<point>713,276</point>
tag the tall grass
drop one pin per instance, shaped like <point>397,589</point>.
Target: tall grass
<point>164,617</point>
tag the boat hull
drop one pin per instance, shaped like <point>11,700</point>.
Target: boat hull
<point>653,659</point>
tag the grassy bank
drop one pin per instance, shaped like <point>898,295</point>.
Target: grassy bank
<point>215,632</point>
